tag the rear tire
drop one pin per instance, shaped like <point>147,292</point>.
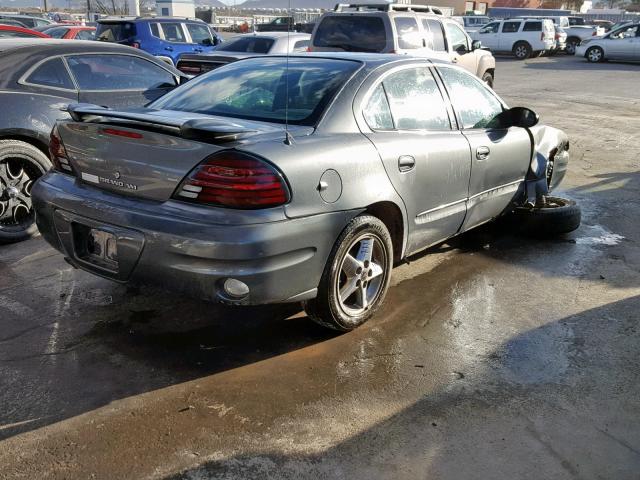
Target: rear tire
<point>487,78</point>
<point>572,43</point>
<point>556,217</point>
<point>522,50</point>
<point>356,278</point>
<point>595,55</point>
<point>21,164</point>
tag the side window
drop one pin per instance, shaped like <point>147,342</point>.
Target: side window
<point>301,46</point>
<point>475,104</point>
<point>199,33</point>
<point>532,27</point>
<point>415,100</point>
<point>173,32</point>
<point>118,72</point>
<point>457,38</point>
<point>57,32</point>
<point>155,30</point>
<point>51,73</point>
<point>490,28</point>
<point>377,113</point>
<point>408,32</point>
<point>510,27</point>
<point>86,35</point>
<point>437,35</point>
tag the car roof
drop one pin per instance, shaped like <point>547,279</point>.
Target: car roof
<point>370,60</point>
<point>56,46</point>
<point>271,35</point>
<point>148,19</point>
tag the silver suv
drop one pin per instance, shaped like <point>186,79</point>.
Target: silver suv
<point>418,30</point>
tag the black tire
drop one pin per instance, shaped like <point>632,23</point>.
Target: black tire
<point>327,309</point>
<point>594,55</point>
<point>558,216</point>
<point>17,220</point>
<point>522,50</point>
<point>572,43</point>
<point>487,78</point>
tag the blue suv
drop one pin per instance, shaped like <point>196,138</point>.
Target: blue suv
<point>165,37</point>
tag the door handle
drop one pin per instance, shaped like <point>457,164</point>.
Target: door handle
<point>170,49</point>
<point>482,153</point>
<point>406,163</point>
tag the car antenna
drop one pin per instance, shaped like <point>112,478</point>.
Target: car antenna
<point>288,139</point>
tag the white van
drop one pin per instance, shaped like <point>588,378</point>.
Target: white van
<point>519,36</point>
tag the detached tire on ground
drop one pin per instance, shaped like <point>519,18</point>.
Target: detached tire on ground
<point>356,278</point>
<point>21,164</point>
<point>558,216</point>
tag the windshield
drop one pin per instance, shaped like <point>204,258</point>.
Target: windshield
<point>255,89</point>
<point>351,33</point>
<point>248,45</point>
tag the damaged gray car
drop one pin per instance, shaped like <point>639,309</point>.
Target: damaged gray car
<point>296,180</point>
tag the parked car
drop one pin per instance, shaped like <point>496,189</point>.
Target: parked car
<point>519,36</point>
<point>39,78</point>
<point>284,24</point>
<point>560,44</point>
<point>472,23</point>
<point>164,37</point>
<point>244,46</point>
<point>606,24</point>
<point>11,23</point>
<point>406,29</point>
<point>620,44</point>
<point>300,178</point>
<point>70,32</point>
<point>27,21</point>
<point>8,31</point>
<point>575,28</point>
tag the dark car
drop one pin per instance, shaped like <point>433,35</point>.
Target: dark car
<point>38,79</point>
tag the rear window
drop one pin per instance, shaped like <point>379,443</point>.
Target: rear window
<point>407,32</point>
<point>435,36</point>
<point>351,33</point>
<point>248,45</point>
<point>256,89</point>
<point>510,27</point>
<point>115,32</point>
<point>56,32</point>
<point>173,32</point>
<point>51,73</point>
<point>576,21</point>
<point>532,27</point>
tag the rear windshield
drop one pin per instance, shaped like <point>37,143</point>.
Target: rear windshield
<point>248,45</point>
<point>115,32</point>
<point>351,33</point>
<point>256,89</point>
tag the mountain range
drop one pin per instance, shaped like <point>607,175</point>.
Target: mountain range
<point>79,4</point>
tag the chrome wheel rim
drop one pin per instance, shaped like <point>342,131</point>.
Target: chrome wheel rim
<point>16,179</point>
<point>361,275</point>
<point>521,52</point>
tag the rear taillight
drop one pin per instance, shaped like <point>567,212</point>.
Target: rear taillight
<point>190,69</point>
<point>135,44</point>
<point>58,153</point>
<point>557,36</point>
<point>594,34</point>
<point>235,180</point>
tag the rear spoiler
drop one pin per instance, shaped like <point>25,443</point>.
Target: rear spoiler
<point>200,129</point>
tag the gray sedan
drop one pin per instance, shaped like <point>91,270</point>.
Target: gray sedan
<point>620,44</point>
<point>295,179</point>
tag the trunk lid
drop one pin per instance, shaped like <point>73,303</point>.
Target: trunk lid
<point>147,153</point>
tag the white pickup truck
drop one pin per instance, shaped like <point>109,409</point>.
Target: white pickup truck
<point>576,29</point>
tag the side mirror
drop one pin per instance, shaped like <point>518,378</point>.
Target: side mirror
<point>476,45</point>
<point>207,42</point>
<point>461,49</point>
<point>521,117</point>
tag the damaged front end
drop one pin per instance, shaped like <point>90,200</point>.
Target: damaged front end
<point>549,163</point>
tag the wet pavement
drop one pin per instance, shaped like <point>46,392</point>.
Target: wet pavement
<point>495,356</point>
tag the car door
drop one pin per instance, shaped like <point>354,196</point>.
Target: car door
<point>426,159</point>
<point>409,38</point>
<point>434,38</point>
<point>509,35</point>
<point>500,156</point>
<point>622,43</point>
<point>176,40</point>
<point>488,36</point>
<point>119,80</point>
<point>460,47</point>
<point>200,35</point>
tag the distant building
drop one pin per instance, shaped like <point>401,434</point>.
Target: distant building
<point>176,8</point>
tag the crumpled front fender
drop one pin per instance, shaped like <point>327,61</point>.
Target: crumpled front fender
<point>548,163</point>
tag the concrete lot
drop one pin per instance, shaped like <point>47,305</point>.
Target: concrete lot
<point>495,357</point>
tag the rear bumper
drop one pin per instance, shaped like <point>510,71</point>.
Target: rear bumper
<point>280,261</point>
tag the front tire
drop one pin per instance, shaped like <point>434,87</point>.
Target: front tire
<point>21,164</point>
<point>572,43</point>
<point>522,50</point>
<point>595,55</point>
<point>487,78</point>
<point>356,278</point>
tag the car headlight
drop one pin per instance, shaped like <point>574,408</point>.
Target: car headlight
<point>584,42</point>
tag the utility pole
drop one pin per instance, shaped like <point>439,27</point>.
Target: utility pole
<point>45,5</point>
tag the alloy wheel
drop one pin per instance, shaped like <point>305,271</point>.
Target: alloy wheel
<point>16,179</point>
<point>595,55</point>
<point>361,274</point>
<point>521,51</point>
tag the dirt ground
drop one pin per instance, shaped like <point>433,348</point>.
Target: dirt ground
<point>495,357</point>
